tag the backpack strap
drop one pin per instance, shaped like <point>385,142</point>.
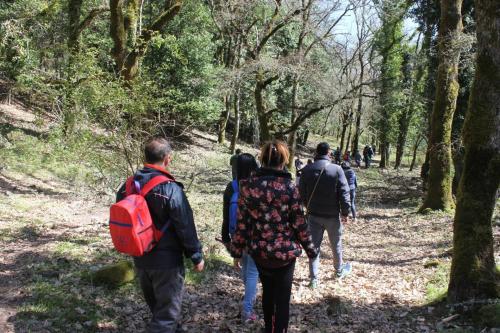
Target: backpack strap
<point>129,186</point>
<point>155,181</point>
<point>235,186</point>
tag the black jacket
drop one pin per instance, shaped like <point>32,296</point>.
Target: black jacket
<point>331,196</point>
<point>168,204</point>
<point>228,193</point>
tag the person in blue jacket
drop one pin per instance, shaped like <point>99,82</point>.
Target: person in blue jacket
<point>246,166</point>
<point>353,184</point>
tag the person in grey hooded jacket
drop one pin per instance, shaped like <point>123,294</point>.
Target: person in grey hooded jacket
<point>325,194</point>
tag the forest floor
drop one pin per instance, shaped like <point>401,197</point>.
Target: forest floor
<point>54,234</point>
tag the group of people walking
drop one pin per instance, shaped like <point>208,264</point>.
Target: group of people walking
<point>271,225</point>
<point>267,222</point>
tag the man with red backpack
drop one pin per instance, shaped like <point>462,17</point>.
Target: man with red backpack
<point>161,268</point>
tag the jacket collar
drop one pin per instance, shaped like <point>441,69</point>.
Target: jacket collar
<point>273,172</point>
<point>160,169</point>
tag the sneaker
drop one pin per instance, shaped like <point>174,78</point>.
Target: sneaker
<point>344,270</point>
<point>313,284</point>
<point>249,318</point>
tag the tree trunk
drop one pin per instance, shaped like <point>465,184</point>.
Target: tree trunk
<point>439,185</point>
<point>348,137</point>
<point>404,124</point>
<point>357,129</point>
<point>292,136</point>
<point>224,117</point>
<point>415,150</point>
<point>123,30</point>
<point>264,131</point>
<point>473,273</point>
<point>236,130</point>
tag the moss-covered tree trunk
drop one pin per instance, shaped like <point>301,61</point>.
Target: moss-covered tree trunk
<point>223,119</point>
<point>236,131</point>
<point>440,178</point>
<point>473,266</point>
<point>129,44</point>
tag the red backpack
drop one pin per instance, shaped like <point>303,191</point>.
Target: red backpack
<point>132,229</point>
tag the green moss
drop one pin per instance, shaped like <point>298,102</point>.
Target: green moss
<point>437,286</point>
<point>115,275</point>
<point>488,315</point>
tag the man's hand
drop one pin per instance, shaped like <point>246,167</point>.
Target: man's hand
<point>344,219</point>
<point>237,263</point>
<point>198,268</point>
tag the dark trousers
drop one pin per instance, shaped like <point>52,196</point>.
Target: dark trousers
<point>163,290</point>
<point>276,291</point>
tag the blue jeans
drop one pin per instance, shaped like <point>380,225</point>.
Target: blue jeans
<point>250,277</point>
<point>333,227</point>
<point>353,206</point>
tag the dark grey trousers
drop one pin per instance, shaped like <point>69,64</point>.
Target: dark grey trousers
<point>163,289</point>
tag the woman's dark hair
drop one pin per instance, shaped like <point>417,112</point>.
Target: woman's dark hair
<point>274,154</point>
<point>245,165</point>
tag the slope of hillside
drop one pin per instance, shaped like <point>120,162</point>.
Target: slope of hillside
<point>53,232</point>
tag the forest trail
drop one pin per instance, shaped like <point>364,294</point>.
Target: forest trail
<point>52,235</point>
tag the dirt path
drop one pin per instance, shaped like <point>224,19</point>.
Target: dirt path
<point>387,246</point>
<point>54,236</point>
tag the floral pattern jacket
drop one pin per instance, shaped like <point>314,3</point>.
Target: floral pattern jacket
<point>271,221</point>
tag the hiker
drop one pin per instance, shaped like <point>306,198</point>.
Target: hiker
<point>309,161</point>
<point>246,167</point>
<point>298,167</point>
<point>337,155</point>
<point>325,192</point>
<point>347,156</point>
<point>353,184</point>
<point>366,156</point>
<point>357,158</point>
<point>298,164</point>
<point>161,271</point>
<point>232,162</point>
<point>272,228</point>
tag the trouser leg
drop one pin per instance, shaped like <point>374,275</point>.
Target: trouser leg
<point>165,288</point>
<point>283,290</point>
<point>317,230</point>
<point>266,278</point>
<point>334,229</point>
<point>250,279</point>
<point>353,207</point>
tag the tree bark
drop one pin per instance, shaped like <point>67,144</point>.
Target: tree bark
<point>473,273</point>
<point>224,117</point>
<point>415,150</point>
<point>236,130</point>
<point>129,44</point>
<point>439,195</point>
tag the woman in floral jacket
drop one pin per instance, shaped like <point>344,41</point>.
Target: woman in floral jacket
<point>272,229</point>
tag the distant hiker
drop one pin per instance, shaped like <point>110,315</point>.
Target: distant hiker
<point>272,228</point>
<point>309,161</point>
<point>246,167</point>
<point>161,271</point>
<point>337,155</point>
<point>373,149</point>
<point>353,184</point>
<point>367,156</point>
<point>357,158</point>
<point>298,167</point>
<point>298,164</point>
<point>347,156</point>
<point>325,192</point>
<point>232,162</point>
